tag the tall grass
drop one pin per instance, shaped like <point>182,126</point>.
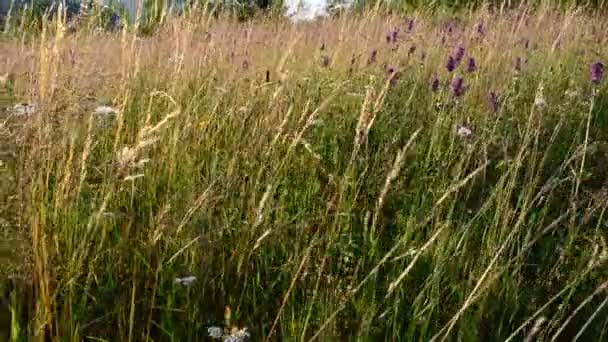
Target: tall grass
<point>312,194</point>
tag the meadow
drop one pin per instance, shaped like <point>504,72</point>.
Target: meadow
<point>437,176</point>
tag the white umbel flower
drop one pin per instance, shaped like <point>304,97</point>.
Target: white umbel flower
<point>539,100</point>
<point>463,131</point>
<point>105,111</point>
<point>186,281</point>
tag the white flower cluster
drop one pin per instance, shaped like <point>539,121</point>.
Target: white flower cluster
<point>233,335</point>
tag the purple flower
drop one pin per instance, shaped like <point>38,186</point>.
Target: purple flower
<point>494,101</point>
<point>596,72</point>
<point>449,26</point>
<point>458,54</point>
<point>518,64</point>
<point>450,64</point>
<point>435,84</point>
<point>410,25</point>
<point>471,66</point>
<point>372,57</point>
<point>392,36</point>
<point>394,75</point>
<point>480,29</point>
<point>325,60</point>
<point>457,86</point>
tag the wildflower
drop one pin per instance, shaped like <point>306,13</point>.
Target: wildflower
<point>539,100</point>
<point>372,57</point>
<point>391,36</point>
<point>410,25</point>
<point>463,131</point>
<point>22,109</point>
<point>215,332</point>
<point>394,75</point>
<point>186,281</point>
<point>435,84</point>
<point>105,111</point>
<point>596,71</point>
<point>448,26</point>
<point>571,93</point>
<point>325,60</point>
<point>126,157</point>
<point>471,66</point>
<point>458,54</point>
<point>114,22</point>
<point>480,29</point>
<point>450,64</point>
<point>237,335</point>
<point>494,101</point>
<point>457,86</point>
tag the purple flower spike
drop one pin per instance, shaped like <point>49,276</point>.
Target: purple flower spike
<point>458,54</point>
<point>494,101</point>
<point>450,64</point>
<point>448,27</point>
<point>325,61</point>
<point>471,66</point>
<point>457,86</point>
<point>480,29</point>
<point>391,37</point>
<point>435,84</point>
<point>410,25</point>
<point>394,75</point>
<point>596,71</point>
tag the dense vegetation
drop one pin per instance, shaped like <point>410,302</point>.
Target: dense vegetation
<point>366,177</point>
